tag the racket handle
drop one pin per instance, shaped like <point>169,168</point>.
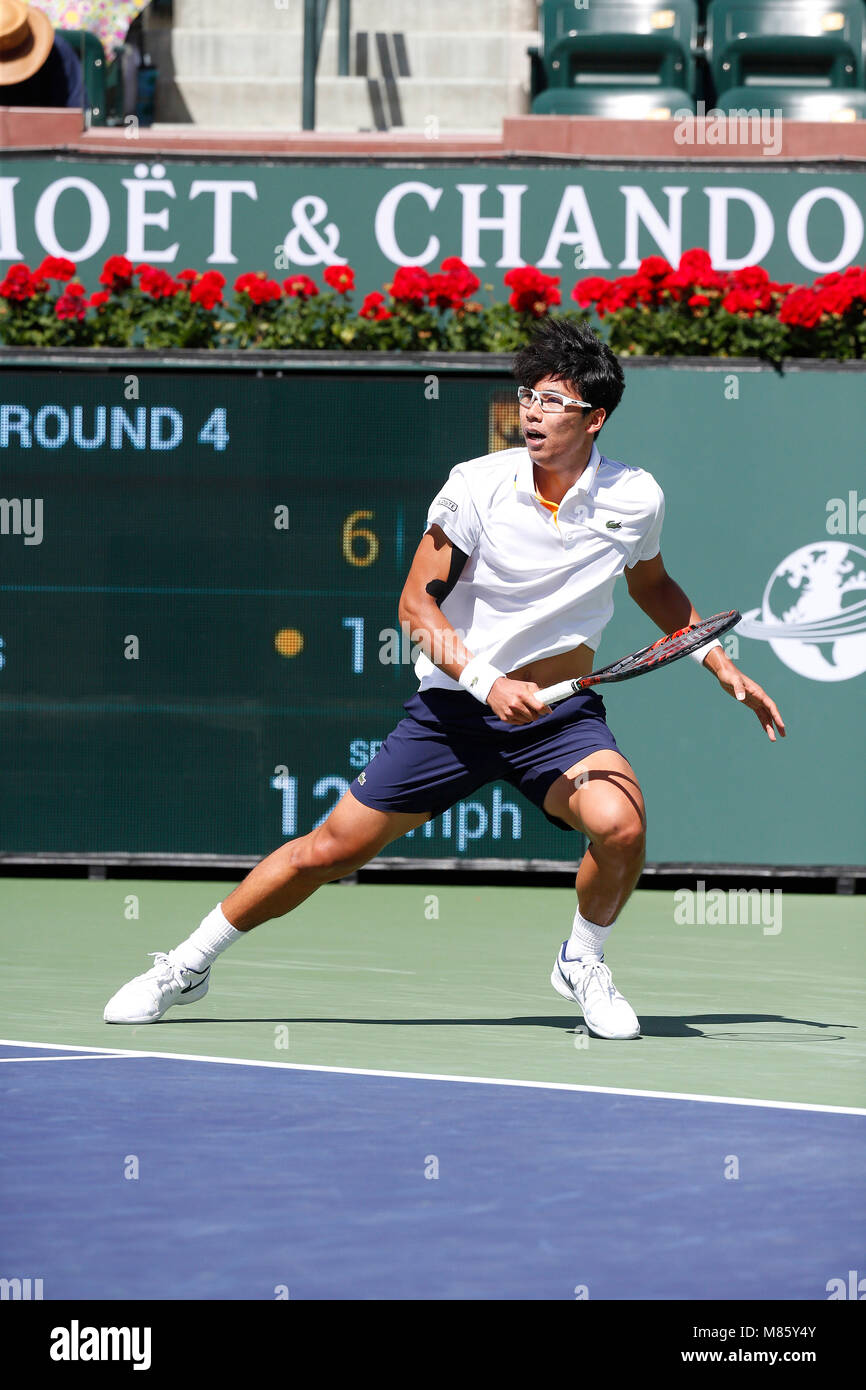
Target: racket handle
<point>554,694</point>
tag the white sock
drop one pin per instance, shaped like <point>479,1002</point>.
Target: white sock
<point>207,941</point>
<point>587,938</point>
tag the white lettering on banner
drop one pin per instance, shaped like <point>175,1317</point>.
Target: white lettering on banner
<point>223,191</point>
<point>409,232</point>
<point>573,204</point>
<point>717,241</point>
<point>639,208</point>
<point>137,219</point>
<point>8,236</point>
<point>100,218</point>
<point>307,213</point>
<point>508,223</point>
<point>386,214</point>
<point>852,230</point>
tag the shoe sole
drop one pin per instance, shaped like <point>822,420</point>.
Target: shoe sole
<point>194,995</point>
<point>562,988</point>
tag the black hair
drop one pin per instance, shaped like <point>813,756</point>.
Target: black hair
<point>570,351</point>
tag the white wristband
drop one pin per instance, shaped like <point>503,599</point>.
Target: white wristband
<point>478,676</point>
<point>700,652</point>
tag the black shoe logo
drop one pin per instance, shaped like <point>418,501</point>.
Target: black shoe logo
<point>194,984</point>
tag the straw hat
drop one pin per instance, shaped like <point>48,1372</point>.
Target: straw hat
<point>26,39</point>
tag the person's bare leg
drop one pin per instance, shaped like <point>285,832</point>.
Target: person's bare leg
<point>606,804</point>
<point>351,836</point>
<point>608,807</point>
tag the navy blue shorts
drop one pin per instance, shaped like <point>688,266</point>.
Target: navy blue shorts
<point>450,745</point>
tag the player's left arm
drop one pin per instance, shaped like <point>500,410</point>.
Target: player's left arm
<point>662,599</point>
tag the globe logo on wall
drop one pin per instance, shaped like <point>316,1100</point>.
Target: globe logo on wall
<point>813,612</point>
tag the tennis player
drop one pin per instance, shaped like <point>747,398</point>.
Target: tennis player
<point>509,592</point>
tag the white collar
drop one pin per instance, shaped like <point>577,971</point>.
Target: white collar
<point>524,478</point>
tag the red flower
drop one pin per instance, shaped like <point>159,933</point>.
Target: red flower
<point>452,286</point>
<point>651,279</point>
<point>619,294</point>
<point>750,277</point>
<point>443,292</point>
<point>654,268</point>
<point>802,308</point>
<point>697,264</point>
<point>70,306</point>
<point>698,301</point>
<point>340,277</point>
<point>465,282</point>
<point>19,284</point>
<point>155,282</point>
<point>840,293</point>
<point>117,274</point>
<point>188,276</point>
<point>300,287</point>
<point>55,268</point>
<point>739,302</point>
<point>257,286</point>
<point>748,301</point>
<point>410,284</point>
<point>590,290</point>
<point>97,300</point>
<point>532,292</point>
<point>208,291</point>
<point>695,271</point>
<point>374,307</point>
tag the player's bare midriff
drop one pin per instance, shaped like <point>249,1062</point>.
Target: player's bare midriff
<point>549,670</point>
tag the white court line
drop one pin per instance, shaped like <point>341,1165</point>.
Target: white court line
<point>469,1080</point>
<point>77,1057</point>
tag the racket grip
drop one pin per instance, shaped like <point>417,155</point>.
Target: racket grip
<point>554,694</point>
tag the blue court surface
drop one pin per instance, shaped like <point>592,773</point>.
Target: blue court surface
<point>138,1176</point>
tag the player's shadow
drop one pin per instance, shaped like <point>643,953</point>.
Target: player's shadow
<point>738,1028</point>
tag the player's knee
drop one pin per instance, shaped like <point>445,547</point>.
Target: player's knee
<point>326,856</point>
<point>624,836</point>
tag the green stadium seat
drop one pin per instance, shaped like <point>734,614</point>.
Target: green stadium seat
<point>622,43</point>
<point>798,103</point>
<point>94,66</point>
<point>650,103</point>
<point>811,44</point>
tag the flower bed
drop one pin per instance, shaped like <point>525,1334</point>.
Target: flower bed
<point>659,311</point>
<point>696,311</point>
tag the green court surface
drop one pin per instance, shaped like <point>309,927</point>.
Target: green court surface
<point>369,977</point>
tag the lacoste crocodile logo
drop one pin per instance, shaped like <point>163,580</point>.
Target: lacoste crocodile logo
<point>613,525</point>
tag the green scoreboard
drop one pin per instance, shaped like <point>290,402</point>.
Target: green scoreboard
<point>201,569</point>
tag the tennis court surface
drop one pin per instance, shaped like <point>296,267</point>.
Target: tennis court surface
<point>382,1097</point>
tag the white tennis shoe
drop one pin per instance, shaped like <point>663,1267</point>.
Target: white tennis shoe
<point>588,982</point>
<point>146,998</point>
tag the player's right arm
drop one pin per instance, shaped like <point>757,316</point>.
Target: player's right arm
<point>435,570</point>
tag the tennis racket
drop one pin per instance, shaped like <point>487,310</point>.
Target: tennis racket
<point>660,653</point>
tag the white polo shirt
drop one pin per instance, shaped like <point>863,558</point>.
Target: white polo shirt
<point>538,582</point>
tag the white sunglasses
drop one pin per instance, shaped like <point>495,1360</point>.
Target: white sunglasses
<point>551,402</point>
